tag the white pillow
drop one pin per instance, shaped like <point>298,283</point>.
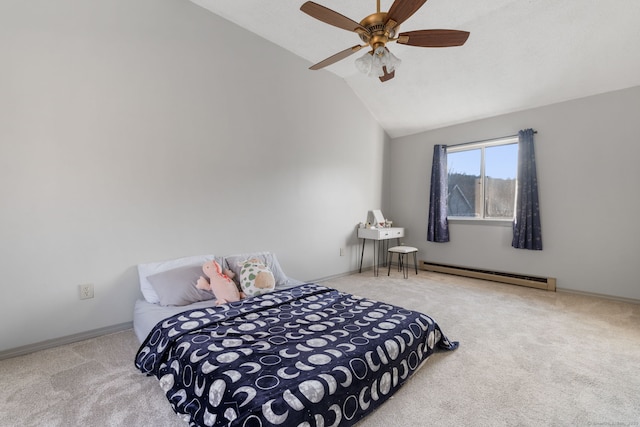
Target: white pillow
<point>146,270</point>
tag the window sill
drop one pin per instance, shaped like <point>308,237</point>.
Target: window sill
<point>477,221</point>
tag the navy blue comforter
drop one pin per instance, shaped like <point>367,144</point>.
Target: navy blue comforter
<point>309,356</point>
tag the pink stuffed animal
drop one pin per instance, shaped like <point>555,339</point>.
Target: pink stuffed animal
<point>219,283</point>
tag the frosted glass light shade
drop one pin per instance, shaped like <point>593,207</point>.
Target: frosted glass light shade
<point>363,64</point>
<point>372,63</point>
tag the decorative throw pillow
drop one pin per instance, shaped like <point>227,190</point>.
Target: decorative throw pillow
<point>234,263</point>
<point>178,286</point>
<point>256,278</point>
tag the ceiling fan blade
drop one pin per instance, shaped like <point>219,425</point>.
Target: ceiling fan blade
<point>331,17</point>
<point>387,75</point>
<point>337,57</point>
<point>401,10</point>
<point>433,38</point>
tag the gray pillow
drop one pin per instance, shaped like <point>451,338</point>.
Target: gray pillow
<point>178,286</point>
<point>269,260</point>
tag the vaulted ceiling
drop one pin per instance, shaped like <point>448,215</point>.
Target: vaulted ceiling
<point>520,54</point>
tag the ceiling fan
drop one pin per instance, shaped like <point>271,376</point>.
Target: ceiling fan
<point>378,29</point>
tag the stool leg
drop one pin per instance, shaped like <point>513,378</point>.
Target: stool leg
<point>415,261</point>
<point>405,270</point>
<point>389,259</point>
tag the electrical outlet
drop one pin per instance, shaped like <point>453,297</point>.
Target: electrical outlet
<point>86,291</point>
<point>341,251</point>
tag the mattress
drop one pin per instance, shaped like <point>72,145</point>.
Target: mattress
<point>305,356</point>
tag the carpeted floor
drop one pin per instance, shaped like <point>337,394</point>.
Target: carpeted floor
<point>526,358</point>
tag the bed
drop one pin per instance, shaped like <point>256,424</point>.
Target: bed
<point>302,355</point>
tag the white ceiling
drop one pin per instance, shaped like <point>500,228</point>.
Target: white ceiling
<point>520,54</point>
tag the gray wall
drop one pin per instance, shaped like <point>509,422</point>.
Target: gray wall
<point>587,153</point>
<point>140,130</point>
<point>134,131</point>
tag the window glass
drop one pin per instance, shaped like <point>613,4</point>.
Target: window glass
<point>463,168</point>
<point>501,171</point>
<point>482,179</point>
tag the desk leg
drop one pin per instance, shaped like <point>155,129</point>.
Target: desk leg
<point>362,254</point>
<point>385,249</point>
<point>375,260</point>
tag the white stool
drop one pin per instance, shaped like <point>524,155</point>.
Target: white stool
<point>403,258</point>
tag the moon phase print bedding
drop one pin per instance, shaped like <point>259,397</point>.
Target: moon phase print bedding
<point>306,356</point>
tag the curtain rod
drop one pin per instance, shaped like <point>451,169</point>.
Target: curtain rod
<point>485,140</point>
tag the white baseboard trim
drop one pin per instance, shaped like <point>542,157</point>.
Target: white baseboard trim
<point>81,336</point>
<point>597,295</point>
<point>336,276</point>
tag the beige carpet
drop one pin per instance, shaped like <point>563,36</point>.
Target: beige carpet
<point>526,358</point>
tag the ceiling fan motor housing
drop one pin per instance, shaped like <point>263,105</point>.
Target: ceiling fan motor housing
<point>379,33</point>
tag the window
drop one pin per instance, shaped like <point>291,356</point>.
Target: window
<point>482,179</point>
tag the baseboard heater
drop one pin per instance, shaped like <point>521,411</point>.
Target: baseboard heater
<point>538,282</point>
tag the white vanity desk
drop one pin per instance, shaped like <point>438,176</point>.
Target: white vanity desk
<point>379,236</point>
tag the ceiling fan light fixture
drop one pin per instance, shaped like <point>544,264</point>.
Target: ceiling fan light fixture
<point>363,64</point>
<point>372,63</point>
<point>378,29</point>
<point>382,57</point>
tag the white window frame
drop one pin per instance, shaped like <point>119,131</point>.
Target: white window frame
<point>482,145</point>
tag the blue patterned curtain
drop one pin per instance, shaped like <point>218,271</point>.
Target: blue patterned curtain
<point>527,233</point>
<point>438,226</point>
